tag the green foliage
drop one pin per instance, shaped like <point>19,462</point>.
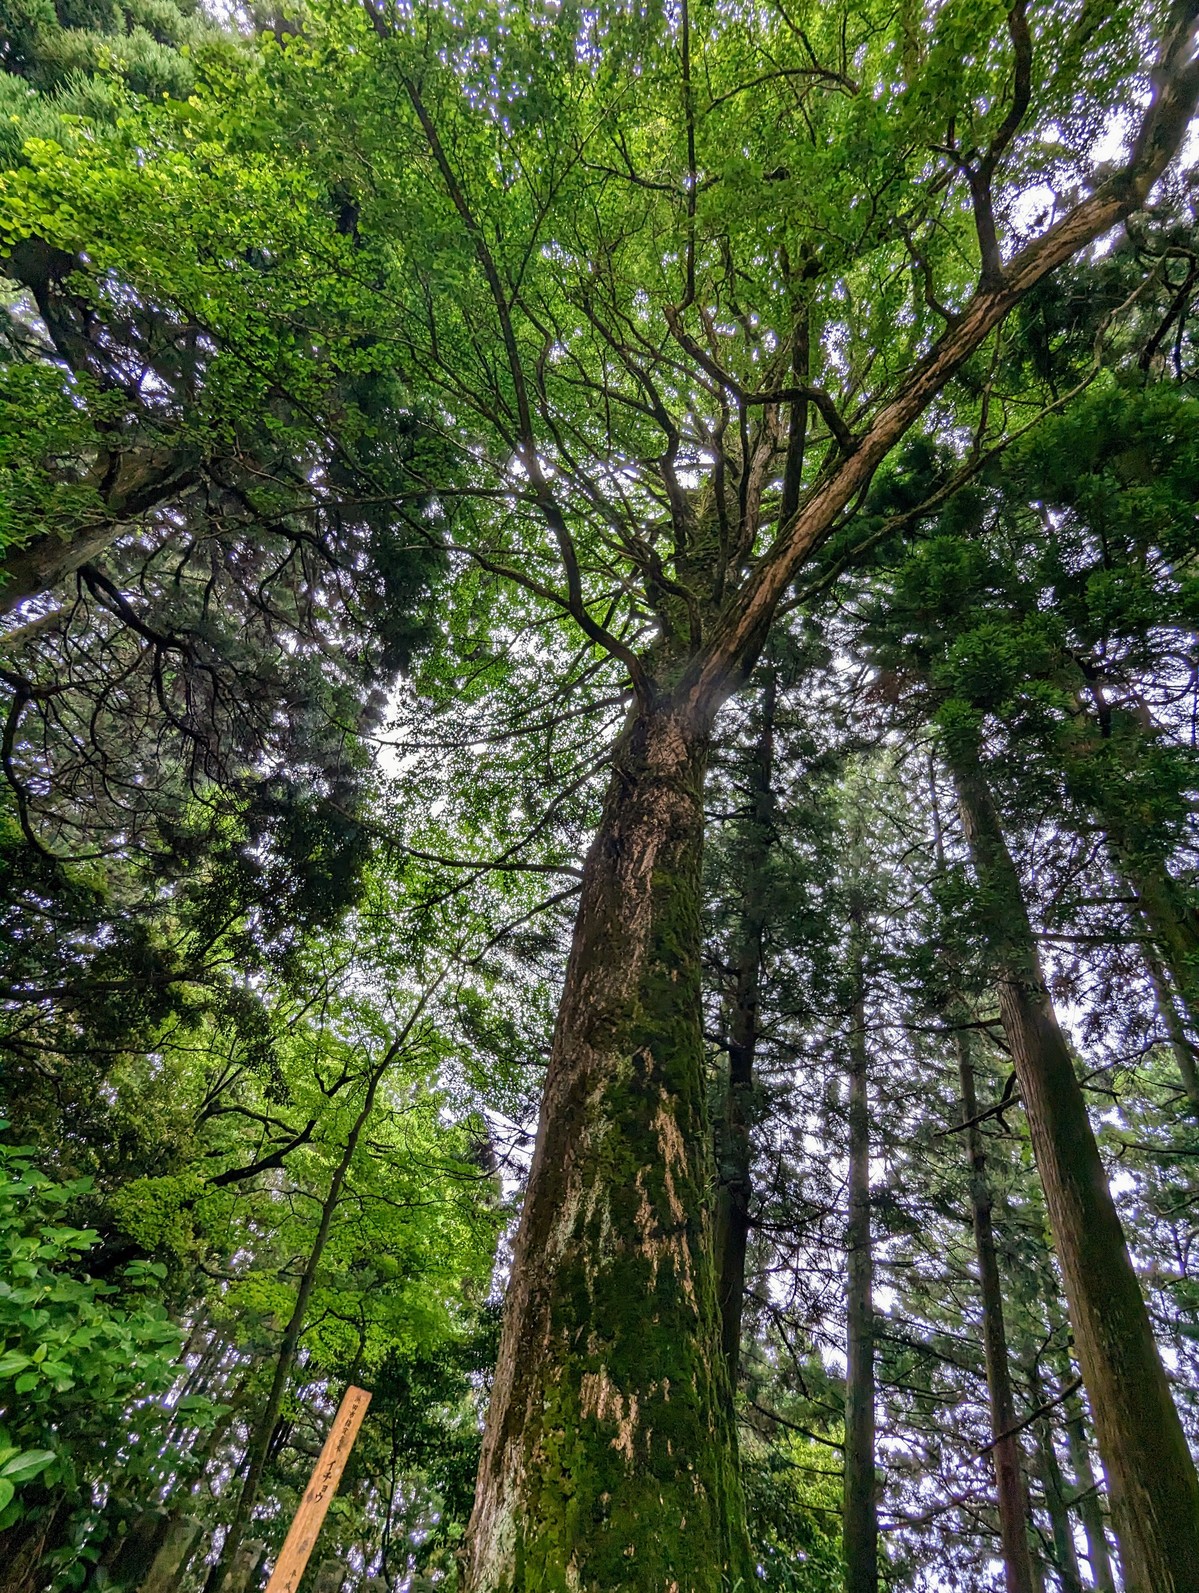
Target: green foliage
<point>74,1352</point>
<point>147,44</point>
<point>205,945</point>
<point>793,1505</point>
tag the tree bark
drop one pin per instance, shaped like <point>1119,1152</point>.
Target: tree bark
<point>47,561</point>
<point>1155,1490</point>
<point>609,1455</point>
<point>264,1428</point>
<point>127,481</point>
<point>734,1181</point>
<point>174,1556</point>
<point>860,1507</point>
<point>1089,1504</point>
<point>1167,994</point>
<point>1065,1557</point>
<point>1010,1491</point>
<point>1101,735</point>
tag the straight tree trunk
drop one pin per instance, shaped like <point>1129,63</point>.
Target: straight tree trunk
<point>1089,1504</point>
<point>1010,1491</point>
<point>609,1456</point>
<point>1155,1490</point>
<point>1053,1486</point>
<point>734,1185</point>
<point>860,1509</point>
<point>1170,922</point>
<point>1021,1573</point>
<point>264,1427</point>
<point>1167,1003</point>
<point>1065,1555</point>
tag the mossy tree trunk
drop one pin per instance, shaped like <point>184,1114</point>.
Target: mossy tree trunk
<point>1155,1490</point>
<point>1010,1490</point>
<point>860,1506</point>
<point>609,1457</point>
<point>734,1181</point>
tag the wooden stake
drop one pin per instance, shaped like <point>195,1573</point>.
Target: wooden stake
<point>326,1475</point>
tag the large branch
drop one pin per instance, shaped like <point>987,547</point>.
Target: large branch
<point>133,482</point>
<point>736,640</point>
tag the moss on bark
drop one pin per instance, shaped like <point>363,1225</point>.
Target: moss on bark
<point>609,1460</point>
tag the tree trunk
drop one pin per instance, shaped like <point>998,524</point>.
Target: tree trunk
<point>1166,1002</point>
<point>1155,1490</point>
<point>1171,942</point>
<point>860,1510</point>
<point>264,1428</point>
<point>1100,736</point>
<point>734,1185</point>
<point>1064,1561</point>
<point>1089,1504</point>
<point>1010,1491</point>
<point>174,1556</point>
<point>1065,1557</point>
<point>609,1456</point>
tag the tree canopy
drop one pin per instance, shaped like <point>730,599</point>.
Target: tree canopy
<point>599,695</point>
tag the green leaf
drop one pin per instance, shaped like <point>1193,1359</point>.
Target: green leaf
<point>29,1464</point>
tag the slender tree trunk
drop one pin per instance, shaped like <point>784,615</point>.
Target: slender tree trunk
<point>1090,1505</point>
<point>1085,1498</point>
<point>609,1455</point>
<point>1103,736</point>
<point>860,1511</point>
<point>1065,1557</point>
<point>264,1427</point>
<point>1021,1574</point>
<point>1170,942</point>
<point>1155,1490</point>
<point>734,1185</point>
<point>1166,1002</point>
<point>1011,1493</point>
<point>1038,1565</point>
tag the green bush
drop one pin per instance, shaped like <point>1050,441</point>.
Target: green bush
<point>75,1353</point>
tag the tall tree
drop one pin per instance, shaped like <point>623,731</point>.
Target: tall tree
<point>861,1488</point>
<point>603,250</point>
<point>1140,1433</point>
<point>628,991</point>
<point>733,1147</point>
<point>1010,1486</point>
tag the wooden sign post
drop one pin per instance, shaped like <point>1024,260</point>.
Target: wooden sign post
<point>322,1485</point>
